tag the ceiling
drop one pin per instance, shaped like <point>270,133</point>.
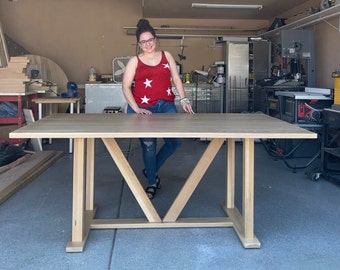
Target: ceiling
<point>182,9</point>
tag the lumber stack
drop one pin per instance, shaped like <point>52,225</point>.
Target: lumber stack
<point>13,77</point>
<point>17,174</point>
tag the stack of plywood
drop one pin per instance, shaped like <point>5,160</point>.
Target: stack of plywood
<point>13,77</point>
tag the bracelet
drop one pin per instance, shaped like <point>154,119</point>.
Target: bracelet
<point>184,100</point>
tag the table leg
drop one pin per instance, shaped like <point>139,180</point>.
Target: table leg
<point>40,110</point>
<point>40,115</point>
<point>35,106</point>
<point>244,224</point>
<point>50,106</point>
<point>248,187</point>
<point>71,141</point>
<point>80,228</point>
<point>230,192</point>
<point>90,152</point>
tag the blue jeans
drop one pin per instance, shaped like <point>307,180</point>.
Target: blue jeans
<point>153,160</point>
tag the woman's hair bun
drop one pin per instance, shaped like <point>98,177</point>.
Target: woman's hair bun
<point>143,23</point>
<point>143,26</point>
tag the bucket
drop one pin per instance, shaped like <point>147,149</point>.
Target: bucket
<point>187,78</point>
<point>337,90</point>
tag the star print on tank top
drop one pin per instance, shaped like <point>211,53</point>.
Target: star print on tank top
<point>153,83</point>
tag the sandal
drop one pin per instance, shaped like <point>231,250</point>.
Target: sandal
<point>158,180</point>
<point>151,192</point>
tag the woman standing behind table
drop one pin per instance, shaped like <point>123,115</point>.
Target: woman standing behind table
<point>152,71</point>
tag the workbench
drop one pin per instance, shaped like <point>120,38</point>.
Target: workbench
<point>23,100</point>
<point>223,129</point>
<point>58,100</point>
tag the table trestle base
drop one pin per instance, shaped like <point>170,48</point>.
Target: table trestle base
<point>141,223</point>
<point>78,246</point>
<point>242,224</point>
<point>238,224</point>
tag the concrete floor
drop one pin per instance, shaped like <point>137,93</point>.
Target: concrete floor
<point>296,219</point>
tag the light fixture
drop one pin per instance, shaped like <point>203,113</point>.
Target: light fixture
<point>204,5</point>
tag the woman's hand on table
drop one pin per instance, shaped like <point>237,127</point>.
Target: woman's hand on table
<point>185,102</point>
<point>143,111</point>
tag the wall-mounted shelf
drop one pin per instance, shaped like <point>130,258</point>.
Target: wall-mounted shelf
<point>309,20</point>
<point>200,32</point>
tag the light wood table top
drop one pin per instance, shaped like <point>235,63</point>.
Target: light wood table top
<point>162,125</point>
<point>28,93</point>
<point>56,100</point>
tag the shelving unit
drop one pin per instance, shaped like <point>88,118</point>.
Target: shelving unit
<point>309,20</point>
<point>259,67</point>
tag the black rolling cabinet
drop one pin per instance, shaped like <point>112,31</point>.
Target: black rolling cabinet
<point>330,146</point>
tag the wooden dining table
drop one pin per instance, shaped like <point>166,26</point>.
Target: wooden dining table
<point>223,130</point>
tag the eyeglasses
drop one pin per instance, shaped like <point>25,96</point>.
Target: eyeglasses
<point>144,42</point>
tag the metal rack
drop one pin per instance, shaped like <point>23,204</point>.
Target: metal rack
<point>259,67</point>
<point>330,146</point>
